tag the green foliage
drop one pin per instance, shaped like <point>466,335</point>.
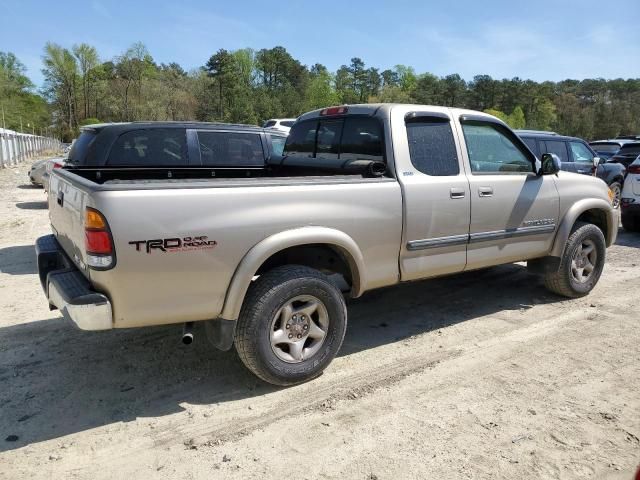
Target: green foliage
<point>23,110</point>
<point>248,86</point>
<point>89,121</point>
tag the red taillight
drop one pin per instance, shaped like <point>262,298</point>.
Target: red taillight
<point>334,111</point>
<point>633,169</point>
<point>57,165</point>
<point>97,240</point>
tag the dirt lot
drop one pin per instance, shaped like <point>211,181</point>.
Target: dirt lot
<point>480,375</point>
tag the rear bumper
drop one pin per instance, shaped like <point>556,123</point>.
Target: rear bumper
<point>68,290</point>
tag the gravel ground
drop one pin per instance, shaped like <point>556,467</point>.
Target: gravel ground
<point>478,375</point>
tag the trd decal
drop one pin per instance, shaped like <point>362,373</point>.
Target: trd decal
<point>185,244</point>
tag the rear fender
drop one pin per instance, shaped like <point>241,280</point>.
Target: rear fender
<point>290,238</point>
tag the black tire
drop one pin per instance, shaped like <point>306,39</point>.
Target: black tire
<point>563,281</point>
<point>265,298</point>
<point>631,223</point>
<point>616,188</point>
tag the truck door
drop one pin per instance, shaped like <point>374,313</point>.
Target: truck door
<point>436,195</point>
<point>514,211</point>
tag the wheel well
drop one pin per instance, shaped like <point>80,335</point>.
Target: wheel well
<point>596,217</point>
<point>328,259</point>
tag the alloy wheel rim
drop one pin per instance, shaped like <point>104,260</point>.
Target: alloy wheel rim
<point>584,260</point>
<point>299,329</point>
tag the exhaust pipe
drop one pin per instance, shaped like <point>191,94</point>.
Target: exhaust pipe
<point>187,333</point>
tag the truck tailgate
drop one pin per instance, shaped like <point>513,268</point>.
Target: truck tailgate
<point>66,211</point>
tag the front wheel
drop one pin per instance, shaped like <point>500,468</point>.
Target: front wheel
<point>291,325</point>
<point>581,263</point>
<point>616,188</point>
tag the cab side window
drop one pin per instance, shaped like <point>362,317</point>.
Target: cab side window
<point>491,150</point>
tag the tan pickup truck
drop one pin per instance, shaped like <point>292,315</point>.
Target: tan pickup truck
<point>364,196</point>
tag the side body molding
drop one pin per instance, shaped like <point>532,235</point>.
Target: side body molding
<point>577,209</point>
<point>260,252</point>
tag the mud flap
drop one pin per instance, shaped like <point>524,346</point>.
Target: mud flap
<point>220,333</point>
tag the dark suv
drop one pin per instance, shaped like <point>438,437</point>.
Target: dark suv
<point>173,148</point>
<point>576,156</point>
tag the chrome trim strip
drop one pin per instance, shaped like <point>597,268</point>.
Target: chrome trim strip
<point>511,233</point>
<point>437,242</point>
<point>478,237</point>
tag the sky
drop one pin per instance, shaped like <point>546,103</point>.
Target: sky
<point>538,40</point>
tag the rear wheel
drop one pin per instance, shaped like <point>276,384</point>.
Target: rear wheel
<point>581,263</point>
<point>291,325</point>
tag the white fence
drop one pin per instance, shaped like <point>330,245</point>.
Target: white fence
<point>19,147</point>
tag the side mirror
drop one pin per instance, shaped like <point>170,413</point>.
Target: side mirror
<point>550,164</point>
<point>596,161</point>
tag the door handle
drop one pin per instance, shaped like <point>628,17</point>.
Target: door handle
<point>485,191</point>
<point>60,198</point>
<point>456,193</point>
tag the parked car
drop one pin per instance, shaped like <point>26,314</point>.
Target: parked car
<point>36,172</point>
<point>282,124</point>
<point>576,156</point>
<point>256,259</point>
<point>630,204</point>
<point>51,164</point>
<point>607,148</point>
<point>627,154</point>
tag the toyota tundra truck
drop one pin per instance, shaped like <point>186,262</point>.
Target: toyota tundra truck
<point>362,197</point>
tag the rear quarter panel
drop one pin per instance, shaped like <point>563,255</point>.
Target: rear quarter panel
<point>156,287</point>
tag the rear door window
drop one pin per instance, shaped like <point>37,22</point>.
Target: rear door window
<point>230,149</point>
<point>288,123</point>
<point>157,147</point>
<point>432,148</point>
<point>559,148</point>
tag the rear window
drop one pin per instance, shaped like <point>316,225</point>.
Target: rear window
<point>630,149</point>
<point>158,147</point>
<point>288,123</point>
<point>79,149</point>
<point>353,138</point>
<point>229,149</point>
<point>605,147</point>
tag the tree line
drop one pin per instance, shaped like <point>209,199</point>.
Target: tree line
<point>249,86</point>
